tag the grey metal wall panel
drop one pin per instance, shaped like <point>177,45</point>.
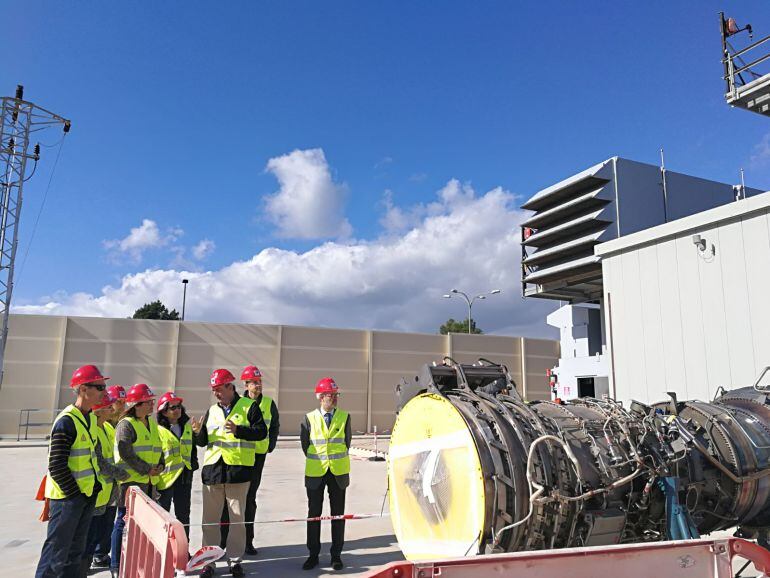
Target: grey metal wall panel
<point>735,298</point>
<point>756,234</point>
<point>674,375</point>
<point>712,315</point>
<point>652,328</point>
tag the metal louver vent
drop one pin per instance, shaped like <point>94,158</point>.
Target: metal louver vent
<point>557,241</point>
<point>614,198</point>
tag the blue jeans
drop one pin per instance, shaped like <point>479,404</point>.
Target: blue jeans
<point>105,541</point>
<point>68,526</point>
<point>117,539</point>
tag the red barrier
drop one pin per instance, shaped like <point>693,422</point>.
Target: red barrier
<point>155,545</point>
<point>682,559</point>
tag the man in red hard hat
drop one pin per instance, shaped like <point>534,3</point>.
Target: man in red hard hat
<point>251,377</point>
<point>325,435</point>
<point>74,480</point>
<point>228,431</point>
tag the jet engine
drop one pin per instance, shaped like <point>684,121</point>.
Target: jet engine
<point>475,469</point>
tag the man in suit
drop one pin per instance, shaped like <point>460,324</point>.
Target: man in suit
<point>325,434</point>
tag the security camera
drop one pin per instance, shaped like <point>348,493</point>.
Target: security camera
<point>699,242</point>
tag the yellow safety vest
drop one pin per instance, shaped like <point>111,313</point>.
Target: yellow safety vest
<point>82,460</point>
<point>110,429</point>
<point>234,451</point>
<point>146,447</point>
<point>327,448</point>
<point>266,407</point>
<point>107,443</point>
<point>176,454</point>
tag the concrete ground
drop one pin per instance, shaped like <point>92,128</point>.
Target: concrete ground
<point>369,543</point>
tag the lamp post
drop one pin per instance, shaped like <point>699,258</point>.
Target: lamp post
<point>470,301</point>
<point>184,296</point>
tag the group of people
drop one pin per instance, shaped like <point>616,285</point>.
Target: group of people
<point>108,440</point>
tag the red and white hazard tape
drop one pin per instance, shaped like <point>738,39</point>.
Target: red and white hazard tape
<point>283,520</point>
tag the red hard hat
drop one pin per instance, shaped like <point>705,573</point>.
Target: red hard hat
<point>221,377</point>
<point>139,393</point>
<point>86,374</point>
<point>108,399</point>
<point>250,373</point>
<point>326,385</point>
<point>117,391</point>
<point>168,398</point>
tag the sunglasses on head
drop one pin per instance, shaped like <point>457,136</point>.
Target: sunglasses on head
<point>97,386</point>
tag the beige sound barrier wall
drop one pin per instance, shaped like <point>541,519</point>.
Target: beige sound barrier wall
<point>43,351</point>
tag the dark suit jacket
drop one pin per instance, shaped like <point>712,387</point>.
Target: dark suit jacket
<point>304,438</point>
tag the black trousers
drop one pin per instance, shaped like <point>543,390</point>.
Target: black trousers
<point>250,512</point>
<point>180,492</point>
<point>315,502</point>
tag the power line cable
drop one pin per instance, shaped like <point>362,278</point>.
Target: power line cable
<point>40,211</point>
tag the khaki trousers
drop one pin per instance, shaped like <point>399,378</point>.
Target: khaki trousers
<point>214,498</point>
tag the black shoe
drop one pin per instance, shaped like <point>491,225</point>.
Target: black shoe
<point>100,562</point>
<point>251,550</point>
<point>236,570</point>
<point>337,563</point>
<point>310,563</point>
<point>207,572</point>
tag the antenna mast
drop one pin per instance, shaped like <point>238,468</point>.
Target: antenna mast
<point>18,120</point>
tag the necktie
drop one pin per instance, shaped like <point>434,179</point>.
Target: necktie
<point>328,419</point>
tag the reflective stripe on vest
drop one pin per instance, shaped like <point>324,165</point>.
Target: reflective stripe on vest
<point>176,454</point>
<point>266,407</point>
<point>106,444</point>
<point>82,459</point>
<point>327,449</point>
<point>234,451</point>
<point>146,447</point>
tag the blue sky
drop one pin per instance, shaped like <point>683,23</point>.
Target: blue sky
<point>179,107</point>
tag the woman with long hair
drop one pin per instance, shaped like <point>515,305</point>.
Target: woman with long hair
<point>175,483</point>
<point>138,446</point>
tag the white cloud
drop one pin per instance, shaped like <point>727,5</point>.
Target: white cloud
<point>140,239</point>
<point>203,249</point>
<point>392,282</point>
<point>309,204</point>
<point>760,154</point>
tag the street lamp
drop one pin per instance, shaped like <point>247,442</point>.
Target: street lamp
<point>470,300</point>
<point>184,296</point>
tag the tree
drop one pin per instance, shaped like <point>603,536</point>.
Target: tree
<point>452,326</point>
<point>156,310</point>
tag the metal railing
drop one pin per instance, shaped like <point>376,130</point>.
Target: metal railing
<point>24,415</point>
<point>734,61</point>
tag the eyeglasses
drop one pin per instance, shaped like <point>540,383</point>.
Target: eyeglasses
<point>174,407</point>
<point>97,386</point>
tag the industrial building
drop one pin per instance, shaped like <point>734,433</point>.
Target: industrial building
<point>686,303</point>
<point>608,201</point>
